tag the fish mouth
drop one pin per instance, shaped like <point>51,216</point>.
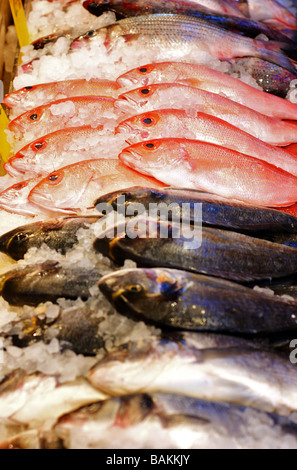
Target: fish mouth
<point>125,128</point>
<point>127,82</point>
<point>126,103</point>
<point>130,158</point>
<point>11,170</point>
<point>15,125</point>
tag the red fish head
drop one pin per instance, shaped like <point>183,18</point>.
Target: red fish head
<point>139,125</point>
<point>135,99</point>
<point>24,122</point>
<point>141,76</point>
<point>13,99</point>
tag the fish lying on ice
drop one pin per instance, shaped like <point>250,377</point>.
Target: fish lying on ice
<point>30,97</point>
<point>215,210</point>
<point>74,188</point>
<point>201,365</point>
<point>48,281</point>
<point>174,298</point>
<point>63,147</point>
<point>210,80</point>
<point>211,168</point>
<point>15,198</point>
<point>188,124</point>
<point>57,234</point>
<point>185,34</point>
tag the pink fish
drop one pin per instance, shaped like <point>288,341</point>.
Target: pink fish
<point>266,10</point>
<point>206,128</point>
<point>178,96</point>
<point>96,111</point>
<point>209,80</point>
<point>76,187</point>
<point>30,97</point>
<point>15,198</point>
<point>212,168</point>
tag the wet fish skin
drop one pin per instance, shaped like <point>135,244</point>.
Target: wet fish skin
<point>75,328</point>
<point>180,162</point>
<point>216,211</point>
<point>190,124</point>
<point>210,80</point>
<point>29,97</point>
<point>47,281</point>
<point>74,188</point>
<point>204,250</point>
<point>201,365</point>
<point>57,234</point>
<point>204,424</point>
<point>187,301</point>
<point>15,198</point>
<point>140,7</point>
<point>179,31</point>
<point>270,77</point>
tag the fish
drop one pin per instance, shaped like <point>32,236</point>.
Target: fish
<point>208,167</point>
<point>74,188</point>
<point>291,149</point>
<point>171,421</point>
<point>202,365</point>
<point>60,148</point>
<point>172,31</point>
<point>215,210</point>
<point>205,250</point>
<point>75,327</point>
<point>15,198</point>
<point>270,77</point>
<point>265,10</point>
<point>97,7</point>
<point>97,111</point>
<point>30,97</point>
<point>41,42</point>
<point>186,124</point>
<point>47,281</point>
<point>58,234</point>
<point>210,80</point>
<point>235,23</point>
<point>176,299</point>
<point>31,399</point>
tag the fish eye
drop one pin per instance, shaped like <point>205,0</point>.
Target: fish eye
<point>28,87</point>
<point>39,145</point>
<point>135,289</point>
<point>150,145</point>
<point>147,121</point>
<point>20,236</point>
<point>55,178</point>
<point>33,117</point>
<point>91,33</point>
<point>144,91</point>
<point>143,70</point>
<point>19,185</point>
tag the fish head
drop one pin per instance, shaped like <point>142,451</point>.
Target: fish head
<point>16,97</point>
<point>15,198</point>
<point>140,76</point>
<point>23,160</point>
<point>28,120</point>
<point>98,7</point>
<point>89,37</point>
<point>15,241</point>
<point>137,291</point>
<point>58,191</point>
<point>135,100</point>
<point>154,157</point>
<point>141,127</point>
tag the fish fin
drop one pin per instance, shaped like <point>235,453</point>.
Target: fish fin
<point>131,37</point>
<point>273,51</point>
<point>171,290</point>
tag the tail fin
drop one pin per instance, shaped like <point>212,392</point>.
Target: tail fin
<point>275,52</point>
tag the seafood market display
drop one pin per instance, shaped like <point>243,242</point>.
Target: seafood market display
<point>148,234</point>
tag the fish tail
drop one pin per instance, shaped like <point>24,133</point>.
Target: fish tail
<point>275,52</point>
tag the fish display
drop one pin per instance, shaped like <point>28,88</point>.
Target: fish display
<point>202,365</point>
<point>148,227</point>
<point>178,31</point>
<point>213,81</point>
<point>75,187</point>
<point>30,97</point>
<point>57,234</point>
<point>207,167</point>
<point>270,130</point>
<point>68,112</point>
<point>60,148</point>
<point>48,281</point>
<point>195,302</point>
<point>203,127</point>
<point>215,210</point>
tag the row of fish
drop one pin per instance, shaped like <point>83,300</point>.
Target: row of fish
<point>200,389</point>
